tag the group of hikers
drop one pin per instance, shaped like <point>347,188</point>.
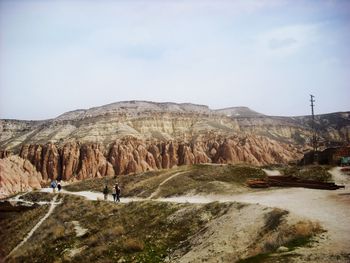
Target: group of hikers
<point>115,192</point>
<point>54,184</point>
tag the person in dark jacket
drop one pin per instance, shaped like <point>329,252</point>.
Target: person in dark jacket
<point>117,191</point>
<point>59,187</point>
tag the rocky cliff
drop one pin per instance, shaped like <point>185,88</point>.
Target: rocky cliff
<point>76,160</point>
<point>17,175</point>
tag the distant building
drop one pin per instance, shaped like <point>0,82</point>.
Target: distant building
<point>332,156</point>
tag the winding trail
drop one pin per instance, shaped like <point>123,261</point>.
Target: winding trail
<point>31,232</point>
<point>155,193</point>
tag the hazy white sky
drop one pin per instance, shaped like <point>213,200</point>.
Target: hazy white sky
<point>57,56</point>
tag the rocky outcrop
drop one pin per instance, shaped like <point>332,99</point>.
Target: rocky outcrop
<point>92,162</point>
<point>45,158</point>
<point>70,156</point>
<point>17,175</point>
<point>72,161</point>
<point>4,154</point>
<point>80,161</point>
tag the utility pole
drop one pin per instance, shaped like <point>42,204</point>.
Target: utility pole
<point>314,132</point>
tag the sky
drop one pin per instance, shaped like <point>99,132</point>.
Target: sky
<point>57,56</point>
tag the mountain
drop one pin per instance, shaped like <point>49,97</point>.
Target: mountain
<point>137,136</point>
<point>169,121</point>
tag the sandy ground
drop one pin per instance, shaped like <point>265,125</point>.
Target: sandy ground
<point>272,172</point>
<point>330,208</point>
<point>93,195</point>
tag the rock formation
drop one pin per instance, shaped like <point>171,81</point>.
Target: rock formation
<point>73,160</point>
<point>4,154</point>
<point>17,175</point>
<point>79,161</point>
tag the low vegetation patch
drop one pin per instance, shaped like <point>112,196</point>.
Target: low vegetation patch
<point>37,197</point>
<point>16,225</point>
<point>133,232</point>
<point>195,179</point>
<point>317,173</point>
<point>277,232</point>
<point>207,179</point>
<point>141,185</point>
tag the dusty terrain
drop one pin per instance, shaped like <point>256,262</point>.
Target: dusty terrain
<point>330,208</point>
<point>228,237</point>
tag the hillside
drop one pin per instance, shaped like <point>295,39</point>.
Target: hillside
<point>168,121</point>
<point>187,214</point>
<point>139,136</point>
<point>79,230</point>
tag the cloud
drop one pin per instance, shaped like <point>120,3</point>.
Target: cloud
<point>282,43</point>
<point>287,40</point>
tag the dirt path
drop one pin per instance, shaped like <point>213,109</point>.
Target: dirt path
<point>31,232</point>
<point>155,193</point>
<point>271,172</point>
<point>330,208</point>
<point>79,231</point>
<point>94,195</point>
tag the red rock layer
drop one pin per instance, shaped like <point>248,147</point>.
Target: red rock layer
<point>17,175</point>
<point>4,154</point>
<point>81,161</point>
<point>70,161</point>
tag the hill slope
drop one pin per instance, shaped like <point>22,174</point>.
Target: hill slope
<point>138,136</point>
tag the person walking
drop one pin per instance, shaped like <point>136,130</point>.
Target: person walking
<point>59,187</point>
<point>53,186</point>
<point>114,193</point>
<point>118,191</point>
<point>105,192</point>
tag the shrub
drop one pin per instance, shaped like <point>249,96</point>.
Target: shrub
<point>274,218</point>
<point>133,245</point>
<point>118,230</point>
<point>58,232</point>
<point>306,228</point>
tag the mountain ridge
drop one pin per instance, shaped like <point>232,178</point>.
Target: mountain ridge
<point>168,121</point>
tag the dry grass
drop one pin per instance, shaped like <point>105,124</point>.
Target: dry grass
<point>312,172</point>
<point>209,179</point>
<point>291,236</point>
<point>134,232</point>
<point>37,196</point>
<point>142,185</point>
<point>16,225</point>
<point>199,179</point>
<point>306,229</point>
<point>142,231</point>
<point>133,245</point>
<point>274,218</point>
<point>278,232</point>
